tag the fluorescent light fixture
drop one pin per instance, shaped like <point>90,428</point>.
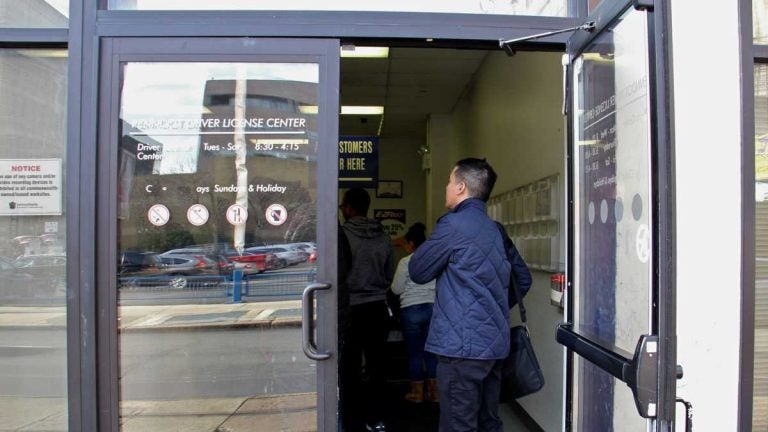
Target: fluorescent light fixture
<point>351,51</point>
<point>42,52</point>
<point>362,110</point>
<point>279,141</point>
<point>346,109</point>
<point>588,142</point>
<point>308,109</point>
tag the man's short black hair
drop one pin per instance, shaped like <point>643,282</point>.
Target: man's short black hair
<point>358,199</point>
<point>478,176</point>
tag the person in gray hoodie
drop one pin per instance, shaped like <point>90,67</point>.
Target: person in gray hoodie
<point>369,275</point>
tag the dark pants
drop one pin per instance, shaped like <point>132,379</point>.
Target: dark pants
<point>416,320</point>
<point>363,400</point>
<point>469,394</point>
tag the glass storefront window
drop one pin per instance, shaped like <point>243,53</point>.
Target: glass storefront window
<point>760,21</point>
<point>33,334</point>
<point>34,14</point>
<point>216,207</point>
<point>491,7</point>
<point>760,397</point>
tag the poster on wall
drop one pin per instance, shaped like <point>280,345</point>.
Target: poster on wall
<point>393,221</point>
<point>358,161</point>
<point>30,187</point>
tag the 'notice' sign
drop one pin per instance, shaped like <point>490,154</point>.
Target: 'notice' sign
<point>30,187</point>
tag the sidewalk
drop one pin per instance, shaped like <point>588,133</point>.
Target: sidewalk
<point>165,317</point>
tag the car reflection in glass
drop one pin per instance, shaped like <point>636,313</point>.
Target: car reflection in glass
<point>179,266</point>
<point>46,272</point>
<point>285,255</point>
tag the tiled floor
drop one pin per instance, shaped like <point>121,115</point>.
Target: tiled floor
<point>408,417</point>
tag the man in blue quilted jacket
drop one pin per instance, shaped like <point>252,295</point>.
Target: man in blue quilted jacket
<point>469,331</point>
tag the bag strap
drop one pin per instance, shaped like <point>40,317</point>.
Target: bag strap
<point>513,287</point>
<point>512,281</point>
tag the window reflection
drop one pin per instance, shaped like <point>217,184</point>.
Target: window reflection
<point>492,7</point>
<point>613,214</point>
<point>217,201</point>
<point>34,13</point>
<point>760,401</point>
<point>760,21</point>
<point>33,369</point>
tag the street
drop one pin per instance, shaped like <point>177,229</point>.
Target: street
<point>179,364</point>
<point>214,363</point>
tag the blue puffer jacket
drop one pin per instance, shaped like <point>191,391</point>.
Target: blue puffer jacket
<point>466,254</point>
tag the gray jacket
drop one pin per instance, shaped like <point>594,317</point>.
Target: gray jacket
<point>373,264</point>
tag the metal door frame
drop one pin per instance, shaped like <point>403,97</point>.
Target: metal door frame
<point>662,161</point>
<point>113,52</point>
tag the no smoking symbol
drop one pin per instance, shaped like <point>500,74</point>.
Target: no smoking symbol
<point>276,214</point>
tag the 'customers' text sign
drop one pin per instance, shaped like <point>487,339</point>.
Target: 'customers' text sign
<point>358,161</point>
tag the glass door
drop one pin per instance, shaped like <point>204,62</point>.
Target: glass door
<point>617,362</point>
<point>217,197</point>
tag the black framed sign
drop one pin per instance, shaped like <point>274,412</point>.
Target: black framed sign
<point>389,189</point>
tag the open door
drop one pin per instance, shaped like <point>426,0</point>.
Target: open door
<point>619,336</point>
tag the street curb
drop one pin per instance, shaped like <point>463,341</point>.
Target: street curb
<point>260,325</point>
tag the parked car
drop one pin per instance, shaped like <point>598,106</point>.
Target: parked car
<point>138,268</point>
<point>223,264</point>
<point>307,247</point>
<point>285,256</point>
<point>9,270</point>
<point>189,265</point>
<point>43,265</point>
<point>180,266</point>
<point>300,249</point>
<point>139,263</point>
<point>48,271</point>
<point>253,262</point>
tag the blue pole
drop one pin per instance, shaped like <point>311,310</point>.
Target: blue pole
<point>237,280</point>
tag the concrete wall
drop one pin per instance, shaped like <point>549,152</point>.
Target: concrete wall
<point>511,115</point>
<point>707,110</point>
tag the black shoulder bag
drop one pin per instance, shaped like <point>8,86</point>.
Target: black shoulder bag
<point>521,374</point>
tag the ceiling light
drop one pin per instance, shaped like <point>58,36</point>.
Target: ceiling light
<point>42,53</point>
<point>308,109</point>
<point>351,51</point>
<point>279,141</point>
<point>362,110</point>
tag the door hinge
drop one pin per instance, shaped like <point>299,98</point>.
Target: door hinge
<point>644,5</point>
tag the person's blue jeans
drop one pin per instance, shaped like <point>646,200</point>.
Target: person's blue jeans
<point>415,321</point>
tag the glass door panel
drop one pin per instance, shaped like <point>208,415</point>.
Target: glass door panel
<point>611,322</point>
<point>612,188</point>
<point>217,175</point>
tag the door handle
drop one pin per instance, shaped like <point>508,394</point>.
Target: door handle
<point>639,373</point>
<point>308,322</point>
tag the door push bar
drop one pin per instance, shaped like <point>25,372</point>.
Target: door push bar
<point>308,322</point>
<point>640,373</point>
